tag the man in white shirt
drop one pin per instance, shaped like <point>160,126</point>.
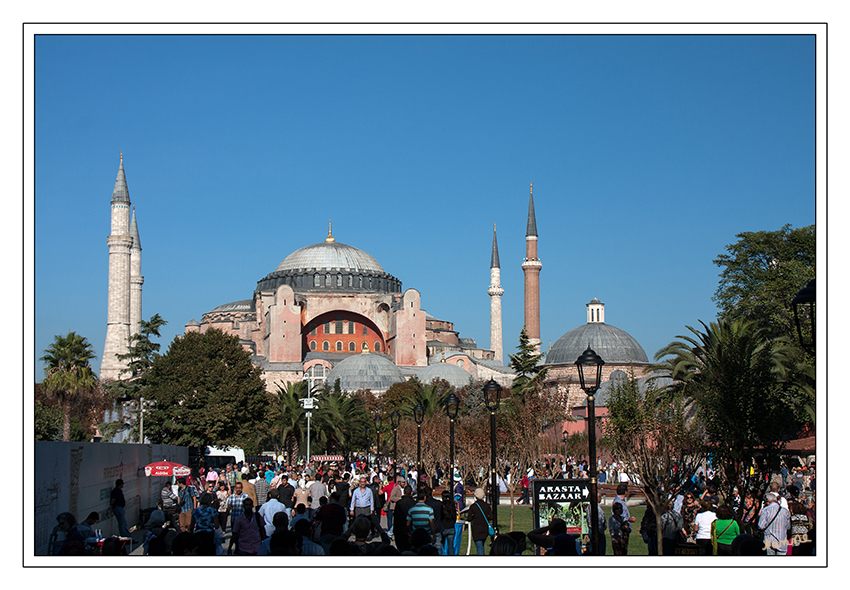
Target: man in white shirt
<point>362,501</point>
<point>270,508</point>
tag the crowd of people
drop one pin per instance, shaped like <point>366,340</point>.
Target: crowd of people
<point>322,508</point>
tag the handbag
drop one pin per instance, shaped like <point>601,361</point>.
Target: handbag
<point>490,530</point>
<point>715,534</point>
<point>759,533</point>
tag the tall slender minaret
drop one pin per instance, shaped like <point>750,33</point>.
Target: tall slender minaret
<point>136,278</point>
<point>531,266</point>
<point>120,243</point>
<point>495,292</point>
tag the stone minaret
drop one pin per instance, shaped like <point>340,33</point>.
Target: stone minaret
<point>120,243</point>
<point>531,269</point>
<point>136,278</point>
<point>495,292</point>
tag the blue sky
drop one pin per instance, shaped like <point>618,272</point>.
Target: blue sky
<point>648,155</point>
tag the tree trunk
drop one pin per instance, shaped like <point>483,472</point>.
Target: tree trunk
<point>66,423</point>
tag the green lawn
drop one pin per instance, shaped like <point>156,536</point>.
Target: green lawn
<point>523,522</point>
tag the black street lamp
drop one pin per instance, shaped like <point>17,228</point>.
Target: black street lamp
<point>418,417</point>
<point>805,298</point>
<point>377,421</point>
<point>590,374</point>
<point>452,406</point>
<point>492,395</point>
<point>394,419</point>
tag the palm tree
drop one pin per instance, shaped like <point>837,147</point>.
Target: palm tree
<point>743,386</point>
<point>69,377</point>
<point>287,418</point>
<point>340,420</point>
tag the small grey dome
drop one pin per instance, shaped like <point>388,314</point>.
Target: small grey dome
<point>611,343</point>
<point>450,372</point>
<point>328,256</point>
<point>373,371</point>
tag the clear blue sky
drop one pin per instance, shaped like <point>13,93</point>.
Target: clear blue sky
<point>648,155</point>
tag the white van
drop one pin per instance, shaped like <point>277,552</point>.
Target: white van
<point>218,458</point>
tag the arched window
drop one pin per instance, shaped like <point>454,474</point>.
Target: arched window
<point>352,347</point>
<point>339,345</point>
<point>317,281</point>
<point>312,345</point>
<point>326,346</point>
<point>339,280</point>
<point>377,347</point>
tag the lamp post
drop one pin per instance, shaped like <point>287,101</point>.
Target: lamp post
<point>418,417</point>
<point>452,406</point>
<point>307,404</point>
<point>590,374</point>
<point>377,420</point>
<point>394,418</point>
<point>492,395</point>
<point>805,298</point>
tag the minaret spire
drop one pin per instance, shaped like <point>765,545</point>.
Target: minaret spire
<point>495,292</point>
<point>531,269</point>
<point>531,226</point>
<point>494,257</point>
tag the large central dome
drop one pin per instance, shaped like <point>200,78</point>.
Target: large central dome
<point>330,256</point>
<point>331,266</point>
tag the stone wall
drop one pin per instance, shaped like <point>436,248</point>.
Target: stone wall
<point>79,477</point>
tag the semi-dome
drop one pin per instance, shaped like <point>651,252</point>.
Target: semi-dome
<point>450,372</point>
<point>373,371</point>
<point>611,343</point>
<point>330,256</point>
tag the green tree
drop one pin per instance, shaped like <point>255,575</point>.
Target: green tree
<point>128,392</point>
<point>48,422</point>
<point>745,389</point>
<point>286,419</point>
<point>762,273</point>
<point>340,421</point>
<point>142,351</point>
<point>649,428</point>
<point>530,372</point>
<point>69,379</point>
<point>206,392</point>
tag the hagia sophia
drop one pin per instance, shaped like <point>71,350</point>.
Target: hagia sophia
<point>330,311</point>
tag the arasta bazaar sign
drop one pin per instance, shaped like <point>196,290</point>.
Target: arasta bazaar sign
<point>562,491</point>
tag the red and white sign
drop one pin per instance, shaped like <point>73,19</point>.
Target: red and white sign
<point>166,468</point>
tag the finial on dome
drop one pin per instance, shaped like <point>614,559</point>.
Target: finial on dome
<point>443,352</point>
<point>365,349</point>
<point>121,155</point>
<point>330,237</point>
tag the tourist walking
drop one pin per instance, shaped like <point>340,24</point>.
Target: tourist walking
<point>480,515</point>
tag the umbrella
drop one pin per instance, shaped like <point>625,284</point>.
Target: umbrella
<point>166,468</point>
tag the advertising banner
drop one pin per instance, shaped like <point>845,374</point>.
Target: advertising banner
<point>567,499</point>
